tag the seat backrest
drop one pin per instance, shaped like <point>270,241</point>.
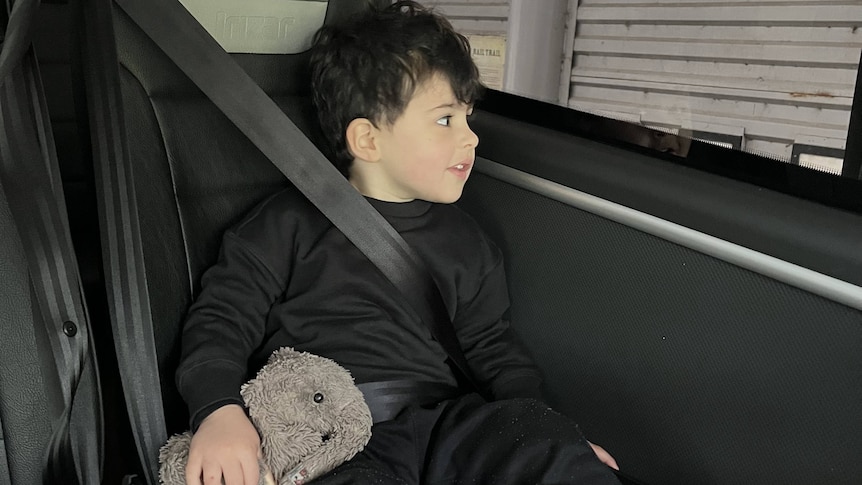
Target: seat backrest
<point>50,405</point>
<point>195,173</point>
<point>24,397</point>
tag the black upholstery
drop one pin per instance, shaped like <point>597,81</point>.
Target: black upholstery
<point>49,395</point>
<point>195,174</point>
<point>689,369</point>
<point>26,399</point>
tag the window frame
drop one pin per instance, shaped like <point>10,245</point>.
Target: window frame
<point>841,192</point>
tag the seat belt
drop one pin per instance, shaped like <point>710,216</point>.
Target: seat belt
<point>230,88</point>
<point>30,178</point>
<point>125,274</point>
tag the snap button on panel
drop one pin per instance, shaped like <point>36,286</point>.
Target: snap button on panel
<point>70,329</point>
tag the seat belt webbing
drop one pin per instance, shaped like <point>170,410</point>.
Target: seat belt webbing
<point>198,55</point>
<point>122,250</point>
<point>30,177</point>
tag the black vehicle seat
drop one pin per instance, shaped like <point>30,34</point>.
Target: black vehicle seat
<point>50,408</point>
<point>195,174</point>
<point>25,396</point>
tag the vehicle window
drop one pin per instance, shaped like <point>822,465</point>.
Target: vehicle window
<point>775,78</point>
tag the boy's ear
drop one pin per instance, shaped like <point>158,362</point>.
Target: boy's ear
<point>362,140</point>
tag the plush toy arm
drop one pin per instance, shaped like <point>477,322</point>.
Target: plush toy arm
<point>339,448</point>
<point>173,457</point>
<point>284,445</point>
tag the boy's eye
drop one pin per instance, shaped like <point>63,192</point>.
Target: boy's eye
<point>444,121</point>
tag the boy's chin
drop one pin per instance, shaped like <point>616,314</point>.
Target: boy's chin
<point>448,198</point>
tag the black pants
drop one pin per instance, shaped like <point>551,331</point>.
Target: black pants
<point>469,441</point>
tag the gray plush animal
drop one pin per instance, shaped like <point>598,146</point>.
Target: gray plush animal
<point>310,416</point>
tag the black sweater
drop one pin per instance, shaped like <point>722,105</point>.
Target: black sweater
<point>287,277</point>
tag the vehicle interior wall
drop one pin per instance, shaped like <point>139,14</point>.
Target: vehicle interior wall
<point>692,369</point>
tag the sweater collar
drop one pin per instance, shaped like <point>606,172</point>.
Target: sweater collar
<point>400,209</point>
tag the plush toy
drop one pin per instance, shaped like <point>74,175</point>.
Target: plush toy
<point>310,416</point>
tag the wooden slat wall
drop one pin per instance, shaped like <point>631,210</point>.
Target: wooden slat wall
<point>475,16</point>
<point>781,71</point>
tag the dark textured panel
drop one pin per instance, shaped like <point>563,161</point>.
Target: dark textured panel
<point>688,369</point>
<point>23,402</point>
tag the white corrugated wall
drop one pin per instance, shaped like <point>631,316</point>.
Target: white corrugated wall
<point>777,72</point>
<point>475,16</point>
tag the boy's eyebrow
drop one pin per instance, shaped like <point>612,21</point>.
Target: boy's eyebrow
<point>446,105</point>
<point>450,106</point>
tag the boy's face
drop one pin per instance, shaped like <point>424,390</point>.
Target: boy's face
<point>428,152</point>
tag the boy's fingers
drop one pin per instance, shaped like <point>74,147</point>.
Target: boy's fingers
<point>212,473</point>
<point>233,475</point>
<point>251,472</point>
<point>604,456</point>
<point>193,471</point>
<point>611,462</point>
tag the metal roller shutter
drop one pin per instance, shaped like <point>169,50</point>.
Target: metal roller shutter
<point>475,16</point>
<point>773,72</point>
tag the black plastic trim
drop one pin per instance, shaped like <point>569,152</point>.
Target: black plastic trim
<point>853,152</point>
<point>808,234</point>
<point>838,192</point>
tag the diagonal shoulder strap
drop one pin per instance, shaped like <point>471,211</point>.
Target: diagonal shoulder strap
<point>195,52</point>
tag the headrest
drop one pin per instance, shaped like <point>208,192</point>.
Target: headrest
<point>260,26</point>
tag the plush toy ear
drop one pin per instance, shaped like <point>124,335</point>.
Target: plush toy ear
<point>283,353</point>
<point>282,360</point>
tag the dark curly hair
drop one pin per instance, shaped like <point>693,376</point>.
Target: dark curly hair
<point>370,66</point>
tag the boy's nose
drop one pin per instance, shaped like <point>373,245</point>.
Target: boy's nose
<point>472,140</point>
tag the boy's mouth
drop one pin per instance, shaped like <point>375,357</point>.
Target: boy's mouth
<point>462,169</point>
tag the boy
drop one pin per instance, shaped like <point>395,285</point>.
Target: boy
<point>394,90</point>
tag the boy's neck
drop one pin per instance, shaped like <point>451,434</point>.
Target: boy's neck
<point>368,189</point>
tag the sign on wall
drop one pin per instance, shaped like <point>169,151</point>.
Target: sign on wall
<point>489,54</point>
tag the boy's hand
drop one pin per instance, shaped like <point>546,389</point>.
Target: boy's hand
<point>227,446</point>
<point>604,456</point>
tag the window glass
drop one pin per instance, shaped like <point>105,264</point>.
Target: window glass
<point>775,78</point>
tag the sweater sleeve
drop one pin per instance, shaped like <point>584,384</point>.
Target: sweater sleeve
<point>224,326</point>
<point>496,356</point>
